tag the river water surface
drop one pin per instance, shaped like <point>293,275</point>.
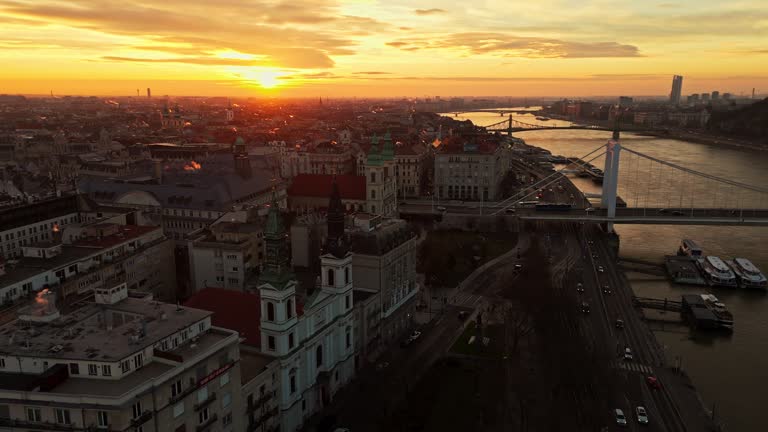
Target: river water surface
<point>731,372</point>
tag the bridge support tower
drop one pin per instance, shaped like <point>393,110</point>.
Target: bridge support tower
<point>611,178</point>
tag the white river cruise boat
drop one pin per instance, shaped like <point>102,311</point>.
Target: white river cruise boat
<point>748,275</point>
<point>716,271</point>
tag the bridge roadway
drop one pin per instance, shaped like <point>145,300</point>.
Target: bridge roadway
<point>626,215</point>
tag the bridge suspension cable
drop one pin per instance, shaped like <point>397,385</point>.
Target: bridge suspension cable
<point>543,183</point>
<point>537,185</point>
<point>699,173</point>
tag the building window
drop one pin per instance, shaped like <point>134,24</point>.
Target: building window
<point>125,366</point>
<point>62,416</point>
<point>202,395</point>
<point>227,419</point>
<point>224,380</point>
<point>102,419</point>
<point>289,308</point>
<point>2,363</point>
<point>270,311</point>
<point>292,381</point>
<point>373,177</point>
<point>106,370</point>
<point>176,389</point>
<point>290,341</point>
<point>346,275</point>
<point>74,369</point>
<point>203,415</point>
<point>226,400</point>
<point>348,301</point>
<point>331,278</point>
<point>136,409</point>
<point>178,409</point>
<point>93,369</point>
<point>271,343</point>
<point>33,415</point>
<point>349,338</point>
<point>138,361</point>
<point>319,356</point>
<point>373,193</point>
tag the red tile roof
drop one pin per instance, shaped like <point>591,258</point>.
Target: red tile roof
<point>351,187</point>
<point>234,310</point>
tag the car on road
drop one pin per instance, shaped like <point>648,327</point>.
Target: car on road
<point>663,210</point>
<point>642,415</point>
<point>517,267</point>
<point>621,420</point>
<point>590,242</point>
<point>653,382</point>
<point>580,287</point>
<point>441,208</point>
<point>342,430</point>
<point>619,324</point>
<point>595,256</point>
<point>678,213</point>
<point>600,269</point>
<point>589,209</point>
<point>585,307</point>
<point>628,354</point>
<point>606,289</point>
<point>509,210</point>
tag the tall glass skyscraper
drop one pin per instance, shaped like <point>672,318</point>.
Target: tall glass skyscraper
<point>677,88</point>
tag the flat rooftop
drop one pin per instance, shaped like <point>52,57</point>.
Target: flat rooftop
<point>98,332</point>
<point>252,363</point>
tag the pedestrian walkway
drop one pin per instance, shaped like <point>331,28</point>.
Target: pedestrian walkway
<point>633,367</point>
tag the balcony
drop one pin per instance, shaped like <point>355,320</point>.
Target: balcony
<point>258,403</point>
<point>211,420</point>
<point>140,420</point>
<point>257,423</point>
<point>205,403</point>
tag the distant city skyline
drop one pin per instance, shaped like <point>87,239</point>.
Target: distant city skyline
<point>308,48</point>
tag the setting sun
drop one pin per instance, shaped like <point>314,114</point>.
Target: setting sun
<point>268,79</point>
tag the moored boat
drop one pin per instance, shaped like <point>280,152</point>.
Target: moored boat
<point>716,271</point>
<point>747,274</point>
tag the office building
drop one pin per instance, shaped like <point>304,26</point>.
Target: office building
<point>677,88</point>
<point>470,168</point>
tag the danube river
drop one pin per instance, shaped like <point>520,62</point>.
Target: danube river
<point>731,372</point>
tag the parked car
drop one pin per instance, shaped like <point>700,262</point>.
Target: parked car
<point>678,213</point>
<point>619,324</point>
<point>600,269</point>
<point>589,209</point>
<point>642,415</point>
<point>509,210</point>
<point>441,208</point>
<point>663,210</point>
<point>606,289</point>
<point>620,419</point>
<point>517,267</point>
<point>580,287</point>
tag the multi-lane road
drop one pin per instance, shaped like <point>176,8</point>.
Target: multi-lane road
<point>610,298</point>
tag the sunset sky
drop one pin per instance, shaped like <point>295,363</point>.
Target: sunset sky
<point>340,48</point>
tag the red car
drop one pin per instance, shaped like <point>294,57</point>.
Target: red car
<point>653,382</point>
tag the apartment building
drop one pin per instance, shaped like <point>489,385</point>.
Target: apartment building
<point>118,364</point>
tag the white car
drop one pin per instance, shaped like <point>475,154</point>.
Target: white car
<point>620,419</point>
<point>441,208</point>
<point>642,415</point>
<point>600,269</point>
<point>628,354</point>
